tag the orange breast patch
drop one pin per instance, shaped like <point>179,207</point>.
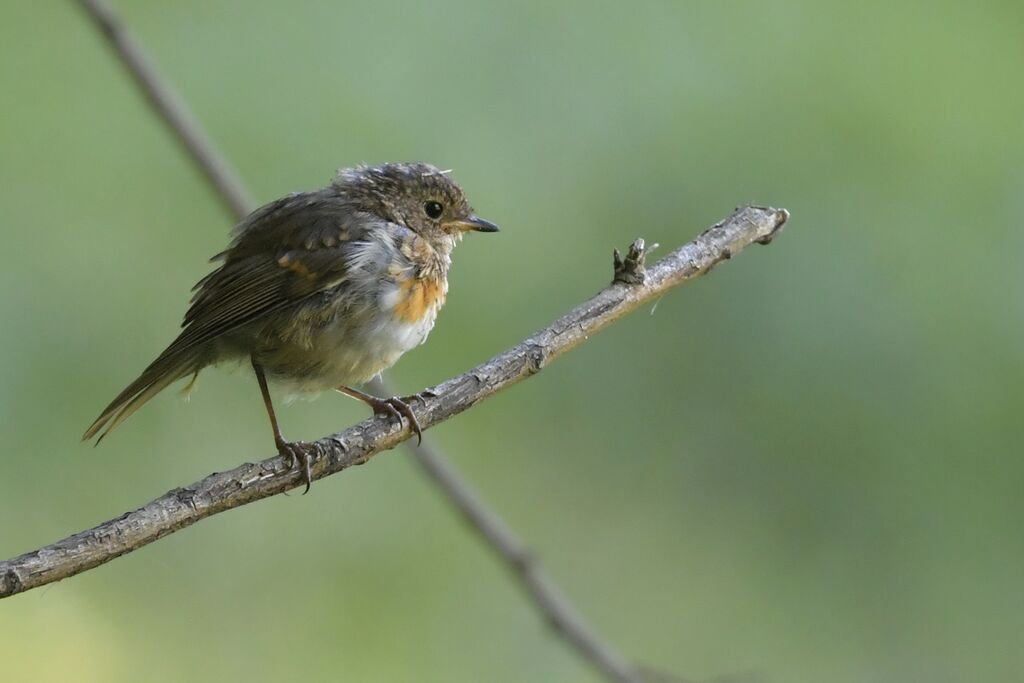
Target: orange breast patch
<point>416,297</point>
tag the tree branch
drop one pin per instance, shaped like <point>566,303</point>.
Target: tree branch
<point>356,445</point>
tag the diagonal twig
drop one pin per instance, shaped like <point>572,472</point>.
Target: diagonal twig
<point>250,482</point>
<point>231,191</point>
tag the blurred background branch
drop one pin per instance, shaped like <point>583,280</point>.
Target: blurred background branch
<point>491,529</point>
<point>227,184</point>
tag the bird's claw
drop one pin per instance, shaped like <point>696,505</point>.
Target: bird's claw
<point>398,407</point>
<point>296,453</point>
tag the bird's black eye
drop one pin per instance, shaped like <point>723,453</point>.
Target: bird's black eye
<point>433,209</point>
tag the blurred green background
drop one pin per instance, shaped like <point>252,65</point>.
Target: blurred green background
<point>803,468</point>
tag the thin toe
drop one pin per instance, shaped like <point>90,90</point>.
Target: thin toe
<point>392,410</point>
<point>296,453</point>
<point>414,424</point>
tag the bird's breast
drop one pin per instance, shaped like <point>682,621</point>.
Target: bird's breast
<point>365,325</point>
<point>415,299</point>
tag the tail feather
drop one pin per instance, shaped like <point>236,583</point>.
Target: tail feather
<point>162,372</point>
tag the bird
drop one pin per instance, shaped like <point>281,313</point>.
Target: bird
<point>320,290</point>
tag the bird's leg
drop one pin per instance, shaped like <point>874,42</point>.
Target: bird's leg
<point>293,452</point>
<point>394,406</point>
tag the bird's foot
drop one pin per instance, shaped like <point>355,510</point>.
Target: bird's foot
<point>398,407</point>
<point>299,453</point>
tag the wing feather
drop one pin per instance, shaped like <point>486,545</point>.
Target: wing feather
<point>282,253</point>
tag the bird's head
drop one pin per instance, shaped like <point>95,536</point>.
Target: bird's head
<point>419,196</point>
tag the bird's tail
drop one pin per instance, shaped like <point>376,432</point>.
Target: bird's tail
<point>166,369</point>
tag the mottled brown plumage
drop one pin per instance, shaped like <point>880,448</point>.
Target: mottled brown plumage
<point>321,290</point>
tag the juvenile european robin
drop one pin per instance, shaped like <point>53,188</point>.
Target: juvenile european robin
<point>321,290</point>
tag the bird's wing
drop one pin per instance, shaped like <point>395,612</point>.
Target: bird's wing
<point>282,253</point>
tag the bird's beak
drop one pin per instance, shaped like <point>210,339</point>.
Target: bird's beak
<point>474,223</point>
